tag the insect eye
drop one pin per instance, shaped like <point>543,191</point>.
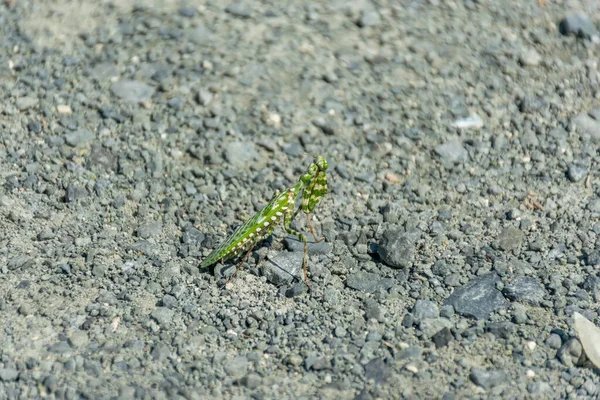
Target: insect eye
<point>321,163</point>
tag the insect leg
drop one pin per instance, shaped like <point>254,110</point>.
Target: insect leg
<point>239,266</point>
<point>287,222</point>
<point>312,231</point>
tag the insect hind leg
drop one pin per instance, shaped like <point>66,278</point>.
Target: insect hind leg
<point>312,230</point>
<point>239,266</point>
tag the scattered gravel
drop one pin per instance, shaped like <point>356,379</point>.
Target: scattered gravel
<point>460,223</point>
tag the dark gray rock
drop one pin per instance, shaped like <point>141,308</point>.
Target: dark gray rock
<point>525,289</point>
<point>377,370</point>
<point>442,338</point>
<point>591,283</point>
<point>478,298</point>
<point>396,249</point>
<point>501,329</point>
<point>368,282</point>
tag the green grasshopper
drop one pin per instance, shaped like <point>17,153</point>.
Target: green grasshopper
<point>312,185</point>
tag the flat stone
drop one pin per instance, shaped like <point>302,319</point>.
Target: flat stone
<point>510,238</point>
<point>368,282</point>
<point>452,152</point>
<point>132,91</point>
<point>396,249</point>
<point>487,378</point>
<point>163,315</point>
<point>478,298</point>
<point>8,374</point>
<point>525,289</point>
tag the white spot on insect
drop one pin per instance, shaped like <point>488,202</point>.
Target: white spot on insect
<point>273,218</point>
<point>266,223</point>
<point>252,234</point>
<point>279,214</point>
<point>258,229</point>
<point>284,208</point>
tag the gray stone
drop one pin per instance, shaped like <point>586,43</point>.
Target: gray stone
<point>204,97</point>
<point>538,387</point>
<point>576,173</point>
<point>163,316</point>
<point>396,249</point>
<point>430,327</point>
<point>60,348</point>
<point>79,137</point>
<point>377,370</point>
<point>425,309</point>
<point>525,289</point>
<point>150,229</point>
<point>587,125</point>
<point>107,297</point>
<point>519,313</point>
<point>79,339</point>
<point>25,103</point>
<point>312,248</point>
<point>532,104</point>
<point>369,18</point>
<point>510,238</point>
<point>284,267</point>
<point>478,298</point>
<point>368,282</point>
<point>239,9</point>
<point>577,24</point>
<point>8,374</point>
<point>236,367</point>
<point>501,329</point>
<point>160,352</point>
<point>252,381</point>
<point>442,338</point>
<point>240,154</point>
<point>554,341</point>
<point>452,152</point>
<point>132,91</point>
<point>530,58</point>
<point>571,353</point>
<point>487,378</point>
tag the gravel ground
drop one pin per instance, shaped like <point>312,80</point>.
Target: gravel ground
<point>462,221</point>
